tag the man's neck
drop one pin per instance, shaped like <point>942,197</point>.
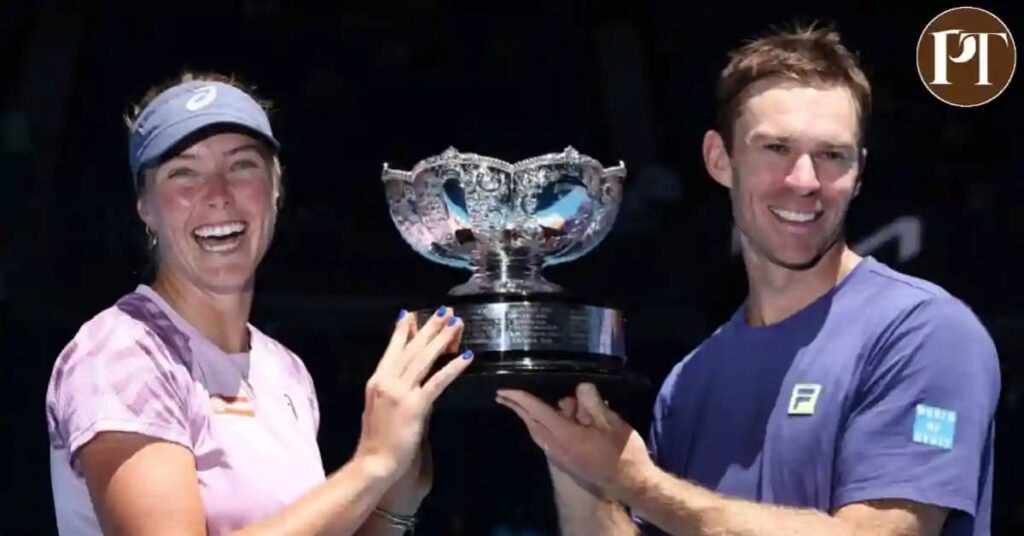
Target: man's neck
<point>776,293</point>
<point>222,318</point>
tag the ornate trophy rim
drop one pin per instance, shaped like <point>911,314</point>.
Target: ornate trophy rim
<point>528,245</point>
<point>452,156</point>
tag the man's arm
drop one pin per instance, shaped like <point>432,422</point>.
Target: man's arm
<point>916,444</point>
<point>582,512</point>
<point>582,508</point>
<point>679,507</point>
<point>610,454</point>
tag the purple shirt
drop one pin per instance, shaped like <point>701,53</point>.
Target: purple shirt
<point>250,419</point>
<point>886,387</point>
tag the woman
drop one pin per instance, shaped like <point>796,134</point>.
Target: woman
<point>168,413</point>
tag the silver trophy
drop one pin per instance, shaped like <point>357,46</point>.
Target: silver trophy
<point>504,223</point>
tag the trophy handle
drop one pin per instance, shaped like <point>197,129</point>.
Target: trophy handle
<point>389,174</point>
<point>618,171</point>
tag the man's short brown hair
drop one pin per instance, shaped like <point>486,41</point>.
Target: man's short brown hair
<point>805,54</point>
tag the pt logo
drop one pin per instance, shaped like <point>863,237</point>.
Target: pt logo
<point>966,56</point>
<point>804,398</point>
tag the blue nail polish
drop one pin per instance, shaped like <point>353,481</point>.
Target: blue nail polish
<point>467,354</point>
<point>453,320</point>
<point>441,311</point>
<point>401,314</point>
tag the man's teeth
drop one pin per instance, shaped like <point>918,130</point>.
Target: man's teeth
<point>794,216</point>
<point>217,231</point>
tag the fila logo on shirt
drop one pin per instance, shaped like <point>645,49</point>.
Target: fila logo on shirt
<point>804,398</point>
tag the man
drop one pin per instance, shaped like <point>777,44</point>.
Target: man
<point>842,397</point>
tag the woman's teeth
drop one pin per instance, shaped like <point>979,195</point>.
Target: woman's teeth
<point>221,237</point>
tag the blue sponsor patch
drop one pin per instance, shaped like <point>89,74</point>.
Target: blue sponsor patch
<point>934,426</point>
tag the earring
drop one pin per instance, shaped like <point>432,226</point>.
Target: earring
<point>152,237</point>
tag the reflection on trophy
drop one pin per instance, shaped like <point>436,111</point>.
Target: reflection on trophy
<point>504,223</point>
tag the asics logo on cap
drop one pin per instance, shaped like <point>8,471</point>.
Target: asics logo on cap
<point>203,97</point>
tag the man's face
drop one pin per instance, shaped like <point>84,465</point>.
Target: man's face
<point>795,166</point>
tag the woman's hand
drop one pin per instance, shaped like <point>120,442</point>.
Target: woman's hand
<point>400,395</point>
<point>406,494</point>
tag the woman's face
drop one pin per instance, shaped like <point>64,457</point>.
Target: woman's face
<point>212,208</point>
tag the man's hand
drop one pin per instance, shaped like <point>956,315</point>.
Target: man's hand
<point>571,488</point>
<point>583,508</point>
<point>602,449</point>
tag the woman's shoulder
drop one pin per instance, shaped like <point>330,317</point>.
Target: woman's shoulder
<point>134,321</point>
<point>131,339</point>
<point>124,366</point>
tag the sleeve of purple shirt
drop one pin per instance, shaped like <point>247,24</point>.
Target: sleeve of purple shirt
<point>115,376</point>
<point>921,422</point>
<point>654,438</point>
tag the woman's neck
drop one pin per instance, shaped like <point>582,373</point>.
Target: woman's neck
<point>221,317</point>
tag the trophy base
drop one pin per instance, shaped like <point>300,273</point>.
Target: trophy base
<point>544,378</point>
<point>542,343</point>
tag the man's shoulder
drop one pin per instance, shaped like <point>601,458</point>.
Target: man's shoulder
<point>878,304</point>
<point>903,301</point>
<point>916,325</point>
<point>890,288</point>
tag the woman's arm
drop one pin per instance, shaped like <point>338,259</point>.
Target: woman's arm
<point>143,485</point>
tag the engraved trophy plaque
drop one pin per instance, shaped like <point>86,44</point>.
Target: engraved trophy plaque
<point>504,223</point>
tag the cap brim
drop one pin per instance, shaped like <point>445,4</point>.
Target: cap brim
<point>193,126</point>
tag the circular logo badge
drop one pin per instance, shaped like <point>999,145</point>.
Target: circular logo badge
<point>966,56</point>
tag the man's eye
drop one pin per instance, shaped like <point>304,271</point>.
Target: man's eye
<point>777,148</point>
<point>834,155</point>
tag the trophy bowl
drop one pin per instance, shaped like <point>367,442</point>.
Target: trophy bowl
<point>504,223</point>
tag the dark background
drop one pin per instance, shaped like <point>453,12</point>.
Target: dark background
<point>373,82</point>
